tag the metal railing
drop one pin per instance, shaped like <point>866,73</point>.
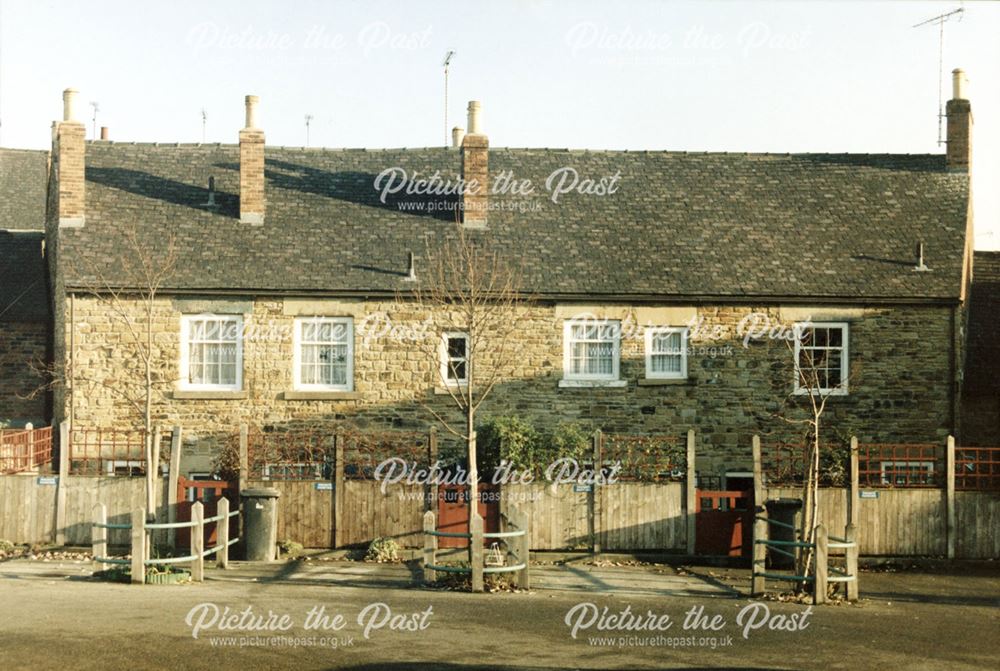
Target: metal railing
<point>139,527</point>
<point>824,573</point>
<point>516,541</point>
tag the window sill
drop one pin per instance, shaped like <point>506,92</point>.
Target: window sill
<point>322,396</point>
<point>208,395</point>
<point>591,384</point>
<point>451,389</point>
<point>662,382</point>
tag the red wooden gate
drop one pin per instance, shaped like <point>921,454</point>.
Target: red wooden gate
<point>723,522</point>
<point>453,512</point>
<point>208,492</point>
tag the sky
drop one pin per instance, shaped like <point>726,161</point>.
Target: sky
<point>700,76</point>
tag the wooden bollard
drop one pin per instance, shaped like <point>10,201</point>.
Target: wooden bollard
<point>821,558</point>
<point>523,579</point>
<point>758,583</point>
<point>430,546</point>
<point>138,546</point>
<point>198,542</point>
<point>851,536</point>
<point>222,534</point>
<point>99,535</point>
<point>476,552</point>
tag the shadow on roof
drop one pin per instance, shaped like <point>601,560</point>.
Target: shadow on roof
<point>354,187</point>
<point>167,190</point>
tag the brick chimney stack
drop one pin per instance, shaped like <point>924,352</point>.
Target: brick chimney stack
<point>475,169</point>
<point>252,201</point>
<point>68,152</point>
<point>959,112</point>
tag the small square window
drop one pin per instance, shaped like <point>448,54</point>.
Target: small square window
<point>455,358</point>
<point>821,362</point>
<point>666,353</point>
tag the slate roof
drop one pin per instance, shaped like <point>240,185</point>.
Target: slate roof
<point>983,355</point>
<point>681,225</point>
<point>23,174</point>
<point>23,278</point>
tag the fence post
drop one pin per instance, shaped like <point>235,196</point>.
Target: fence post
<point>99,535</point>
<point>432,457</point>
<point>524,554</point>
<point>851,536</point>
<point>821,559</point>
<point>222,534</point>
<point>852,501</point>
<point>30,428</point>
<point>430,546</point>
<point>596,523</point>
<point>476,551</point>
<point>173,475</point>
<point>244,456</point>
<point>64,450</point>
<point>760,528</point>
<point>138,546</point>
<point>690,493</point>
<point>198,542</point>
<point>338,491</point>
<point>950,495</point>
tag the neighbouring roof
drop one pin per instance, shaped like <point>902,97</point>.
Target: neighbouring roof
<point>23,175</point>
<point>23,284</point>
<point>982,370</point>
<point>680,225</point>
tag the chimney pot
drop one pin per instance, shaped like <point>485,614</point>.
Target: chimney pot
<point>457,135</point>
<point>475,110</point>
<point>959,83</point>
<point>104,132</point>
<point>251,105</point>
<point>69,105</point>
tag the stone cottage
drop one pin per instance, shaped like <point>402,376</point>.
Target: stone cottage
<point>669,290</point>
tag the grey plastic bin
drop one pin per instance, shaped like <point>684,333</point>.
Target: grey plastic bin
<point>260,523</point>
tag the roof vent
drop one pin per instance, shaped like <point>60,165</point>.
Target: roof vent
<point>211,194</point>
<point>921,267</point>
<point>411,273</point>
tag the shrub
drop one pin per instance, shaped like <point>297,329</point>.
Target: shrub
<point>291,548</point>
<point>383,550</point>
<point>568,439</point>
<point>510,438</point>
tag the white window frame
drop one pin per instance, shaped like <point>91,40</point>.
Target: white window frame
<point>297,383</point>
<point>654,331</point>
<point>924,470</point>
<point>445,360</point>
<point>185,384</point>
<point>314,466</point>
<point>845,366</point>
<point>590,380</point>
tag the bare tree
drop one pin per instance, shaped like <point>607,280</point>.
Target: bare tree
<point>477,292</point>
<point>129,296</point>
<point>820,372</point>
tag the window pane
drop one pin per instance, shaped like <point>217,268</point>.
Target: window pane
<point>456,347</point>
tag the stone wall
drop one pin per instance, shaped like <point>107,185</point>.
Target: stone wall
<point>22,343</point>
<point>899,386</point>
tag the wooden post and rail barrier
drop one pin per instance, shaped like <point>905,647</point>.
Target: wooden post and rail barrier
<point>516,539</point>
<point>139,529</point>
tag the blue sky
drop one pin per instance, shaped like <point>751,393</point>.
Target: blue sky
<point>704,76</point>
